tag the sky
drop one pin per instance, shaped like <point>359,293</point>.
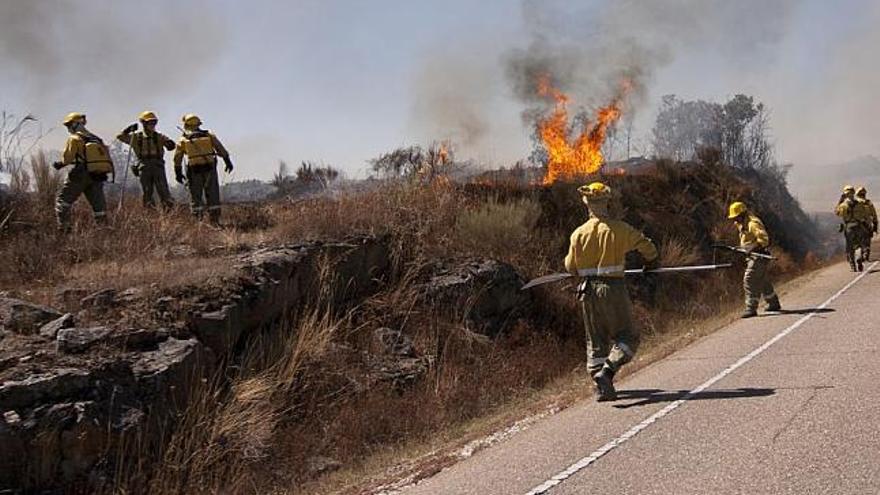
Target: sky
<point>342,81</point>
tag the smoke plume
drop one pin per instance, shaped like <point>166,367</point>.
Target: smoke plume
<point>453,99</point>
<point>75,51</point>
<point>588,53</point>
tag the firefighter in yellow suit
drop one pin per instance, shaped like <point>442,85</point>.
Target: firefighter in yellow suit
<point>854,217</point>
<point>868,214</point>
<point>149,146</point>
<point>91,163</point>
<point>201,149</point>
<point>753,238</point>
<point>597,253</point>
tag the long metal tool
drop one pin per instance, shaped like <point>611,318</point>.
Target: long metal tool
<point>558,277</point>
<point>743,252</point>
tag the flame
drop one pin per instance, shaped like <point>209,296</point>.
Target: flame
<point>443,153</point>
<point>568,159</point>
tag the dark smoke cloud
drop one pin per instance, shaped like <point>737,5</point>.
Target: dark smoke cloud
<point>119,50</point>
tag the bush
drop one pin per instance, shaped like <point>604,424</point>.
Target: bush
<point>496,227</point>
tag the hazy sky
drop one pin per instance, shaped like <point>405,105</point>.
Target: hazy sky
<point>342,81</point>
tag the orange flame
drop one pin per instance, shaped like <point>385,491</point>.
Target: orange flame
<point>443,153</point>
<point>582,156</point>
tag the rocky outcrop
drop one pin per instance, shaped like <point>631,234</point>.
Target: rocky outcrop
<point>23,317</point>
<point>78,389</point>
<point>43,388</point>
<point>284,278</point>
<point>58,422</point>
<point>72,340</point>
<point>50,330</point>
<point>486,292</point>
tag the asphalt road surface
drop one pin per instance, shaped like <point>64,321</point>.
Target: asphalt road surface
<point>776,404</point>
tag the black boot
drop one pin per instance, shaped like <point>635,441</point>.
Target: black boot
<point>604,385</point>
<point>749,313</point>
<point>773,304</point>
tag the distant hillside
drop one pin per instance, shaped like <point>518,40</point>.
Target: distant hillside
<point>818,188</point>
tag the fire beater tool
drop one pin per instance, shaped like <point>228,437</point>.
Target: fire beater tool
<point>558,277</point>
<point>743,251</point>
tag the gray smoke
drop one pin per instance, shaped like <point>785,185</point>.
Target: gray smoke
<point>453,99</point>
<point>588,52</point>
<point>59,49</point>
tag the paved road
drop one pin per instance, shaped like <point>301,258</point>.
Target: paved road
<point>776,404</point>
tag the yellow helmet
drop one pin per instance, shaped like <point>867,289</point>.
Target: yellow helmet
<point>191,120</point>
<point>737,208</point>
<point>861,191</point>
<point>73,117</point>
<point>148,116</point>
<point>848,189</point>
<point>596,190</point>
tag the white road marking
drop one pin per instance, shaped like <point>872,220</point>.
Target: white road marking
<point>635,430</point>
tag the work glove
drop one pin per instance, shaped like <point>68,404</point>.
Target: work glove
<point>229,167</point>
<point>652,265</point>
<point>136,171</point>
<point>57,165</point>
<point>130,129</point>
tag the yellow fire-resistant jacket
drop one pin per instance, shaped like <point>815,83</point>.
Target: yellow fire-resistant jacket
<point>84,148</point>
<point>752,233</point>
<point>849,210</point>
<point>200,149</point>
<point>599,248</point>
<point>866,212</point>
<point>74,150</point>
<point>150,146</point>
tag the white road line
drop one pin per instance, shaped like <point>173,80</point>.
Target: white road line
<point>635,430</point>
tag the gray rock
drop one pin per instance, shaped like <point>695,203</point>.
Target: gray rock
<point>44,387</point>
<point>169,372</point>
<point>102,299</point>
<point>24,317</point>
<point>393,342</point>
<point>130,294</point>
<point>142,339</point>
<point>72,340</point>
<point>486,291</point>
<point>50,330</point>
<point>319,465</point>
<point>403,372</point>
<point>220,330</point>
<point>71,297</point>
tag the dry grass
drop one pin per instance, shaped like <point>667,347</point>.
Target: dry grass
<point>231,429</point>
<point>310,388</point>
<point>495,227</point>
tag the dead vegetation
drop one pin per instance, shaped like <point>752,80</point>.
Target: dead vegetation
<point>311,395</point>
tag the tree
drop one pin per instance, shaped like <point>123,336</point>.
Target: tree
<point>737,131</point>
<point>416,163</point>
<point>309,177</point>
